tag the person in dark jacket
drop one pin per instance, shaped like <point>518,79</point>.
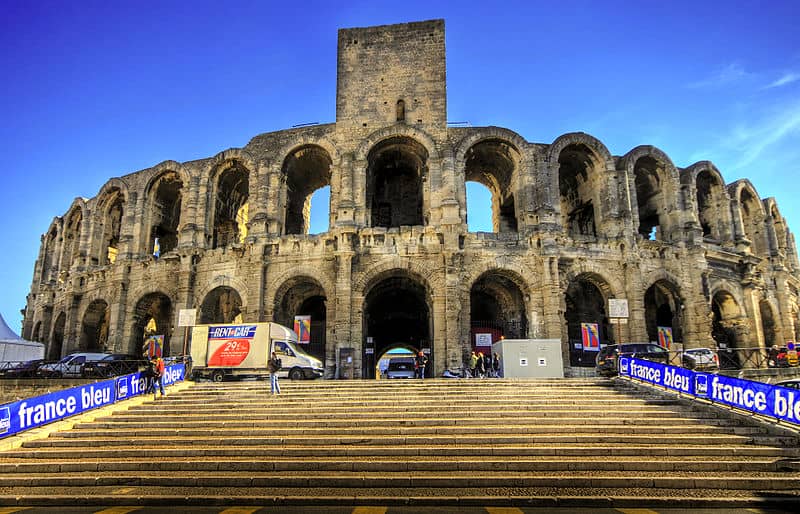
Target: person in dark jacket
<point>419,364</point>
<point>274,365</point>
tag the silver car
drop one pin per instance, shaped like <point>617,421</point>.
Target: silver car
<point>700,359</point>
<point>400,368</point>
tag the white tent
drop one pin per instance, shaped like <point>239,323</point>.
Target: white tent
<point>15,349</point>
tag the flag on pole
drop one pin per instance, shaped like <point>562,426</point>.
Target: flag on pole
<point>665,337</point>
<point>156,249</point>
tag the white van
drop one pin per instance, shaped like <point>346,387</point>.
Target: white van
<point>220,351</point>
<point>69,366</point>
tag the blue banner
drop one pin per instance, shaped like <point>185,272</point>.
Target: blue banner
<point>34,412</point>
<point>757,397</point>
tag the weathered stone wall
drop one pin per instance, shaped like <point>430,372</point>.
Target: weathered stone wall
<point>714,277</point>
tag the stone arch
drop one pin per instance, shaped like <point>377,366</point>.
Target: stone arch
<point>711,200</point>
<point>495,162</point>
<point>395,131</point>
<point>498,304</point>
<point>397,311</point>
<point>769,324</point>
<point>304,295</point>
<point>752,215</point>
<point>654,192</point>
<point>779,241</point>
<point>432,277</point>
<point>158,307</point>
<point>223,304</point>
<point>304,170</point>
<point>397,169</point>
<point>585,300</point>
<point>48,271</point>
<point>231,178</point>
<point>36,335</point>
<point>579,163</point>
<point>728,326</point>
<point>94,326</point>
<point>109,216</point>
<point>663,307</point>
<point>74,222</point>
<point>221,280</point>
<point>164,204</point>
<point>56,345</point>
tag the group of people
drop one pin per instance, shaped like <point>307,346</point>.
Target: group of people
<point>154,374</point>
<point>484,366</point>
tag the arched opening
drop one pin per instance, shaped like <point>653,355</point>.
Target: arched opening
<point>767,323</point>
<point>725,317</point>
<point>478,216</point>
<point>306,170</point>
<point>222,305</point>
<point>396,171</point>
<point>320,210</point>
<point>396,314</point>
<point>72,239</point>
<point>50,259</point>
<point>57,340</point>
<point>400,111</point>
<point>94,329</point>
<point>753,222</point>
<point>165,212</point>
<point>710,199</point>
<point>779,227</point>
<point>650,198</point>
<point>497,308</point>
<point>151,316</point>
<point>576,185</point>
<point>585,304</point>
<point>231,205</point>
<point>304,296</point>
<point>106,245</point>
<point>663,309</point>
<point>492,163</point>
<point>37,332</point>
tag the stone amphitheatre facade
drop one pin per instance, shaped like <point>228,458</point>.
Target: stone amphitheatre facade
<point>574,226</point>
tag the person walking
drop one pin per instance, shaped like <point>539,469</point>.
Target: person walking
<point>473,364</point>
<point>421,361</point>
<point>496,365</point>
<point>158,376</point>
<point>480,369</point>
<point>274,364</point>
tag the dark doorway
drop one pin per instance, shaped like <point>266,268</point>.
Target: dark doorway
<point>396,313</point>
<point>585,304</point>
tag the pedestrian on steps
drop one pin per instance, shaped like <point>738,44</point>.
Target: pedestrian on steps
<point>419,364</point>
<point>158,376</point>
<point>473,365</point>
<point>274,364</point>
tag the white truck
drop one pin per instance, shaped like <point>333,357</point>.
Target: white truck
<point>220,351</point>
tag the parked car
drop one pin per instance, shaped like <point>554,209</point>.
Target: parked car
<point>400,368</point>
<point>70,366</point>
<point>607,357</point>
<point>700,359</point>
<point>792,383</point>
<point>114,365</point>
<point>25,369</point>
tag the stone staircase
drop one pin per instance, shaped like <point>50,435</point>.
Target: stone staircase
<point>438,442</point>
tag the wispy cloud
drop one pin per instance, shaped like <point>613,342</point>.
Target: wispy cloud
<point>787,78</point>
<point>730,74</point>
<point>753,140</point>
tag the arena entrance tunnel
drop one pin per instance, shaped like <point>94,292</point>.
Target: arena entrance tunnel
<point>396,315</point>
<point>395,352</point>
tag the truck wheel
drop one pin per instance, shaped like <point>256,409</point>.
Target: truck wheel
<point>217,376</point>
<point>296,374</point>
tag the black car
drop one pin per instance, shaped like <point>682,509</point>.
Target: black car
<point>607,358</point>
<point>114,365</point>
<point>25,369</point>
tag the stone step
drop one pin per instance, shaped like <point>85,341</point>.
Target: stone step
<point>452,450</point>
<point>223,430</point>
<point>396,465</point>
<point>418,479</point>
<point>254,439</point>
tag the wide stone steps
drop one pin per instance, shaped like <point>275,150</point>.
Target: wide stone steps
<point>349,441</point>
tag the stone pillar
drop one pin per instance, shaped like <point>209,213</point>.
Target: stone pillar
<point>344,328</point>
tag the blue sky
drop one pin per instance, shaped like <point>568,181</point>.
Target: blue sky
<point>97,89</point>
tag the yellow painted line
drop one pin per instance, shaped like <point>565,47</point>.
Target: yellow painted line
<point>637,511</point>
<point>117,510</point>
<point>11,510</point>
<point>239,510</point>
<point>503,510</point>
<point>123,491</point>
<point>370,510</point>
